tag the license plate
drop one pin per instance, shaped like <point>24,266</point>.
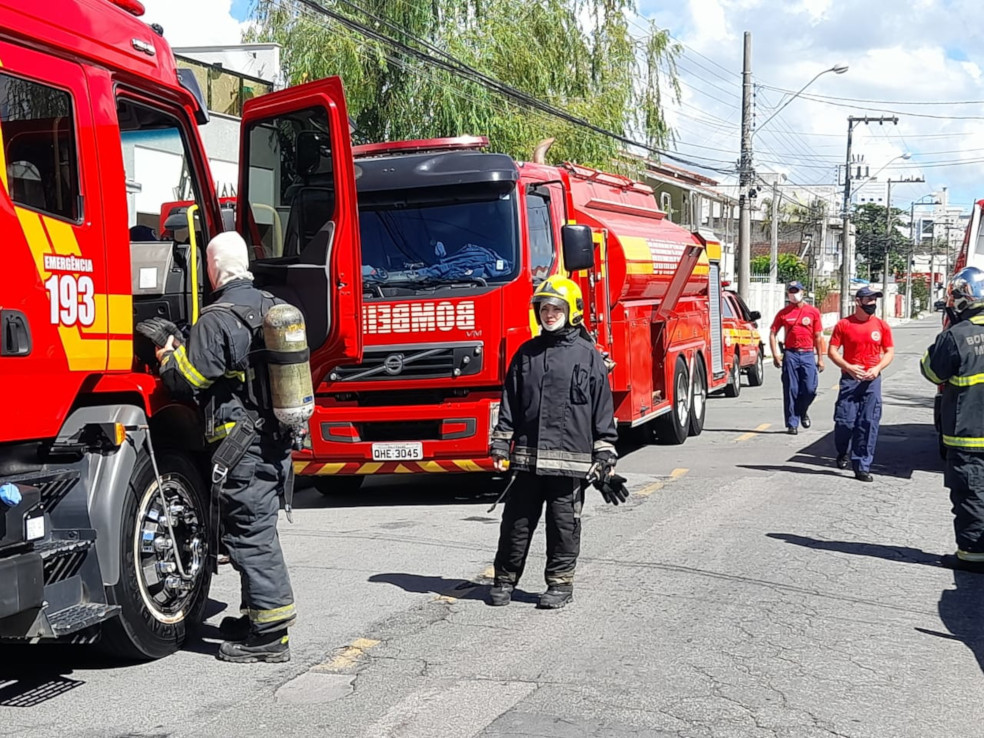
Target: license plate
<point>397,451</point>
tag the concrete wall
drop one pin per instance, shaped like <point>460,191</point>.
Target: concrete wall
<point>768,299</point>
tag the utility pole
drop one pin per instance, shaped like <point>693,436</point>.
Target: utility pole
<point>888,239</point>
<point>847,251</point>
<point>745,173</point>
<point>774,246</point>
<point>911,257</point>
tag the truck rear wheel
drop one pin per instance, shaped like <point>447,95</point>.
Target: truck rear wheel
<point>733,387</point>
<point>756,372</point>
<point>674,427</point>
<point>158,606</point>
<point>698,398</point>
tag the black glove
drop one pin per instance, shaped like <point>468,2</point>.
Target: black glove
<point>613,489</point>
<point>158,330</point>
<point>602,467</point>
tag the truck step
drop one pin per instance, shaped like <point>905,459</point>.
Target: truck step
<point>81,616</point>
<point>62,559</point>
<point>55,487</point>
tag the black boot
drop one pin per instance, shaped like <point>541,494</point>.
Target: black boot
<point>953,561</point>
<point>556,596</point>
<point>501,594</point>
<point>267,647</point>
<point>234,629</point>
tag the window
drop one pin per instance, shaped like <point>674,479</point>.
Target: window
<point>541,235</point>
<point>39,147</point>
<point>291,186</point>
<point>728,308</point>
<point>160,174</point>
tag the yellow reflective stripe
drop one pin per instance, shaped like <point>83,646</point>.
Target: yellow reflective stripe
<point>977,320</point>
<point>962,442</point>
<point>221,432</point>
<point>188,371</point>
<point>287,612</point>
<point>930,375</point>
<point>241,376</point>
<point>968,381</point>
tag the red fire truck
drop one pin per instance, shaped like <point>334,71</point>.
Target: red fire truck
<point>110,533</point>
<point>454,241</point>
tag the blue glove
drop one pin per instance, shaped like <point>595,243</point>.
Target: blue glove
<point>10,495</point>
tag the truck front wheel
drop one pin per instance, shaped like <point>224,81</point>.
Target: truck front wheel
<point>160,601</point>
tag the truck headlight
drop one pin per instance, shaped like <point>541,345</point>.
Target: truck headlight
<point>493,418</point>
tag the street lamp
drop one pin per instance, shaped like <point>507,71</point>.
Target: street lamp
<point>836,69</point>
<point>745,169</point>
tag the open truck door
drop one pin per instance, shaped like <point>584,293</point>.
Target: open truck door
<point>298,213</point>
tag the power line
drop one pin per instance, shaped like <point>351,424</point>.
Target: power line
<point>455,66</point>
<point>879,102</point>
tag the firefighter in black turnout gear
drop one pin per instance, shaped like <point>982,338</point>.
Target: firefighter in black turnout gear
<point>557,430</point>
<point>956,361</point>
<point>218,367</point>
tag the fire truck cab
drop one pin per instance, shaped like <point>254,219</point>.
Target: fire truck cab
<point>103,542</point>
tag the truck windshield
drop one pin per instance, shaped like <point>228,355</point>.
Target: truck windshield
<point>433,244</point>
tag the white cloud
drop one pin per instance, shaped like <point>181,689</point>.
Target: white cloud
<point>892,57</point>
<point>195,22</point>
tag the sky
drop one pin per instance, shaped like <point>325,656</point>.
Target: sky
<point>913,59</point>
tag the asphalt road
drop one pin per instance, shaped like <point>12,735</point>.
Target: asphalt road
<point>749,588</point>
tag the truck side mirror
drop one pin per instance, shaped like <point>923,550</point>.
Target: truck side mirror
<point>578,247</point>
<point>755,315</point>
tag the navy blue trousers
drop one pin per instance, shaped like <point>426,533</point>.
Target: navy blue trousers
<point>799,385</point>
<point>856,417</point>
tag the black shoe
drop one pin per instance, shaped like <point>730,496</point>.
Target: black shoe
<point>272,648</point>
<point>556,596</point>
<point>805,420</point>
<point>234,629</point>
<point>951,561</point>
<point>843,461</point>
<point>501,594</point>
<point>791,430</point>
<point>863,476</point>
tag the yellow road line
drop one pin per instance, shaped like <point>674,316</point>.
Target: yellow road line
<point>677,473</point>
<point>752,434</point>
<point>654,486</point>
<point>347,656</point>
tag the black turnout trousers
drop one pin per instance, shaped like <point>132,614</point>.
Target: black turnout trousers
<point>564,497</point>
<point>964,475</point>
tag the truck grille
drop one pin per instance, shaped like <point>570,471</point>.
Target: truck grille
<point>418,361</point>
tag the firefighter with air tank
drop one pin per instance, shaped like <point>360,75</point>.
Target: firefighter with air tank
<point>246,364</point>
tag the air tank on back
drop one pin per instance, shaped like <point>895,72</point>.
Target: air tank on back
<point>291,389</point>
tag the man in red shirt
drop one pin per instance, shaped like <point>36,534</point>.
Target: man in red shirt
<point>868,348</point>
<point>800,358</point>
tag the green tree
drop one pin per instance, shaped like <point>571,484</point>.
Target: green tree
<point>789,268</point>
<point>872,237</point>
<point>578,55</point>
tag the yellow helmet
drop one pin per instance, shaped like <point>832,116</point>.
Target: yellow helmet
<point>562,292</point>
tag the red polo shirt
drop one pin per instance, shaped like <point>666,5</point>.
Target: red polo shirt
<point>801,323</point>
<point>864,342</point>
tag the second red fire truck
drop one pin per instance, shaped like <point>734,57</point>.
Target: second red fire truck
<point>454,241</point>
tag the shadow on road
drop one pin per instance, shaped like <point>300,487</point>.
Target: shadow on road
<point>796,469</point>
<point>461,589</point>
<point>960,608</point>
<point>407,490</point>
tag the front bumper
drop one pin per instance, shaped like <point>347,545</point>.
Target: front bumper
<point>452,436</point>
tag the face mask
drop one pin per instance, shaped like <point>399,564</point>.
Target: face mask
<point>870,309</point>
<point>561,322</point>
<point>796,297</point>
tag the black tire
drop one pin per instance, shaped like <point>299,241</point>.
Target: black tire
<point>155,619</point>
<point>733,387</point>
<point>336,485</point>
<point>698,398</point>
<point>756,372</point>
<point>673,427</point>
